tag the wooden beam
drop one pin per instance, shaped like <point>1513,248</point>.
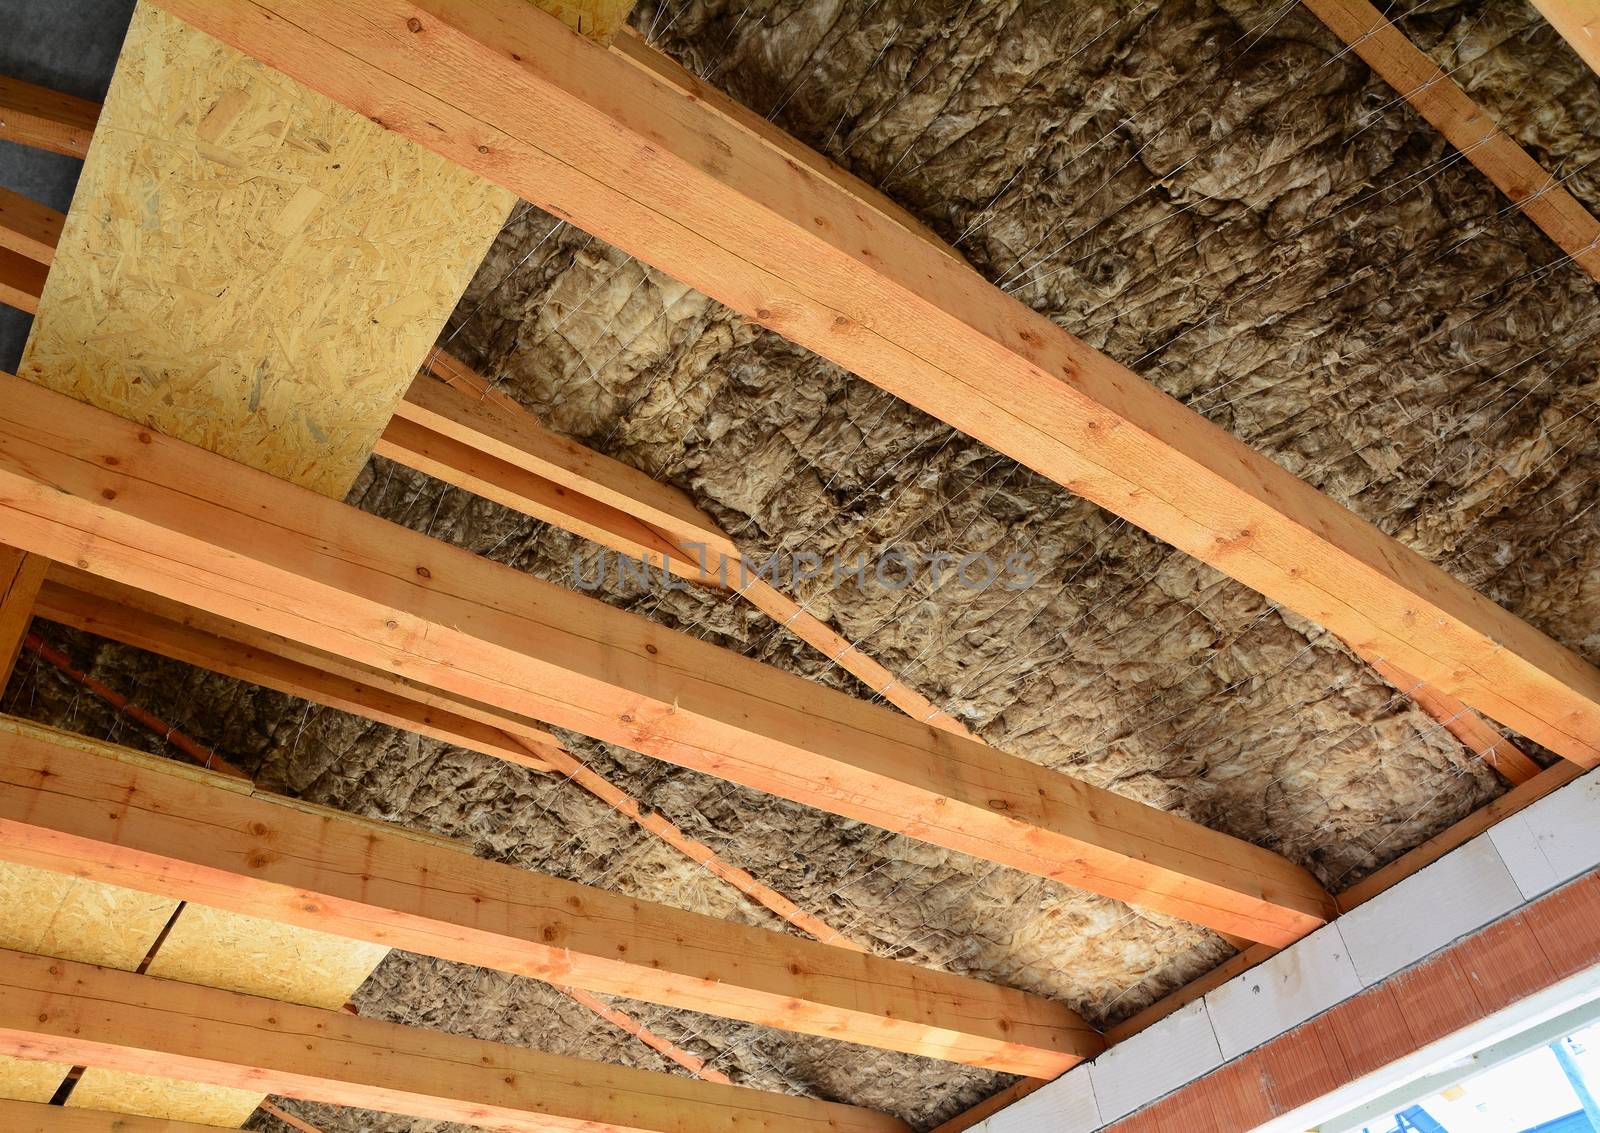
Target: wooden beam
<point>671,172</point>
<point>21,281</point>
<point>1466,125</point>
<point>1578,21</point>
<point>29,228</point>
<point>104,494</point>
<point>39,1117</point>
<point>33,116</point>
<point>493,424</point>
<point>253,658</point>
<point>58,1009</point>
<point>96,811</point>
<point>21,576</point>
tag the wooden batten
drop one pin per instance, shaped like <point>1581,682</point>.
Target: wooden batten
<point>29,228</point>
<point>669,171</point>
<point>99,491</point>
<point>1466,125</point>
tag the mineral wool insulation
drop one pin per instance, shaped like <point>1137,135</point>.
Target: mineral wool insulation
<point>1215,194</point>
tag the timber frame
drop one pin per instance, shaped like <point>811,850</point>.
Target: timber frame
<point>145,539</point>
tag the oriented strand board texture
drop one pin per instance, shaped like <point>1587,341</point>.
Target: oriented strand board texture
<point>53,914</point>
<point>247,265</point>
<point>259,957</point>
<point>239,953</point>
<point>151,1096</point>
<point>597,19</point>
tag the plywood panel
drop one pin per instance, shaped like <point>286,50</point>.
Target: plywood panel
<point>250,266</point>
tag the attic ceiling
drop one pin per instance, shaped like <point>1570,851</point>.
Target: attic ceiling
<point>1216,194</point>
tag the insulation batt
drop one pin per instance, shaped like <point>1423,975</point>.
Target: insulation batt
<point>1213,193</point>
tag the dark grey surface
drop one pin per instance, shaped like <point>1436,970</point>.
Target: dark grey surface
<point>66,45</point>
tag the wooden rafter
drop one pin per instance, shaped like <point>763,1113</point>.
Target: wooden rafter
<point>466,433</point>
<point>29,228</point>
<point>1476,734</point>
<point>1465,125</point>
<point>1578,21</point>
<point>178,521</point>
<point>667,169</point>
<point>58,1009</point>
<point>83,602</point>
<point>21,576</point>
<point>106,814</point>
<point>21,281</point>
<point>33,116</point>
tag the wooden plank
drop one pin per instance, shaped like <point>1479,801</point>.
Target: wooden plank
<point>671,173</point>
<point>1466,125</point>
<point>497,426</point>
<point>249,265</point>
<point>141,1025</point>
<point>107,814</point>
<point>264,660</point>
<point>472,470</point>
<point>29,228</point>
<point>99,491</point>
<point>33,116</point>
<point>1476,734</point>
<point>37,1117</point>
<point>1578,21</point>
<point>21,281</point>
<point>21,576</point>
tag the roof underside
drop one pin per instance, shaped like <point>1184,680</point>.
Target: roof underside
<point>1213,193</point>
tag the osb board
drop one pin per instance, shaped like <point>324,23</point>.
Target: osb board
<point>259,957</point>
<point>58,915</point>
<point>597,19</point>
<point>23,1080</point>
<point>239,953</point>
<point>150,1096</point>
<point>53,914</point>
<point>249,266</point>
